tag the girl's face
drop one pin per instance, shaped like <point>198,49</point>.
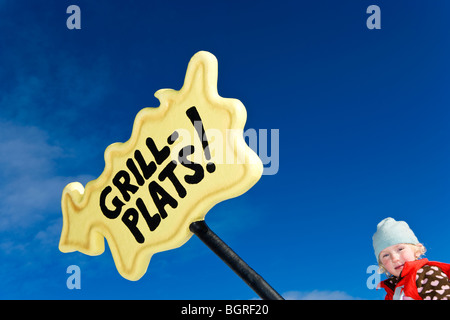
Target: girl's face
<point>394,257</point>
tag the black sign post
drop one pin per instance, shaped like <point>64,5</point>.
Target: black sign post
<point>242,269</point>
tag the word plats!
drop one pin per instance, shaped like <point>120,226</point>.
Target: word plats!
<point>142,171</point>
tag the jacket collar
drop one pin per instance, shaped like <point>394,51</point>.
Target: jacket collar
<point>411,266</point>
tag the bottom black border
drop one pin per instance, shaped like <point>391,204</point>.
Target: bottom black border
<point>215,309</point>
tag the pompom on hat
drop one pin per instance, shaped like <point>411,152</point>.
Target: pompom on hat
<point>391,232</point>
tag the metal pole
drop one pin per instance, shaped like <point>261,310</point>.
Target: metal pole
<point>242,269</point>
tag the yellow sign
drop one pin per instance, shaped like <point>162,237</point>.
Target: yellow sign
<point>181,159</point>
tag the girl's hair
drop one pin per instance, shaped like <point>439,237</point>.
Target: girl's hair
<point>418,248</point>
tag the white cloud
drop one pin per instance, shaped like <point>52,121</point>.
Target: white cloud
<point>30,187</point>
<point>317,295</point>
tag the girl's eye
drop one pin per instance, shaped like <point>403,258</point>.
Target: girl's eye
<point>385,255</point>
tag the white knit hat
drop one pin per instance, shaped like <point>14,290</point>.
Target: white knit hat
<point>391,232</point>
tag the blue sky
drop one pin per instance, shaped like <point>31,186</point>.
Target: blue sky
<point>363,118</point>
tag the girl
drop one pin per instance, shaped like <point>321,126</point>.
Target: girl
<point>398,253</point>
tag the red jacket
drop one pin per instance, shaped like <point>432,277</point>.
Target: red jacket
<point>406,288</point>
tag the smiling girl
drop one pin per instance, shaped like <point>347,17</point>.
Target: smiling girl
<point>398,253</point>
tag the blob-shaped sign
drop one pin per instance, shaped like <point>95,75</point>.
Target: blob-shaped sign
<point>182,158</point>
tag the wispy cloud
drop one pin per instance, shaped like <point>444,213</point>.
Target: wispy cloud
<point>317,295</point>
<point>31,188</point>
<point>30,213</point>
<point>45,91</point>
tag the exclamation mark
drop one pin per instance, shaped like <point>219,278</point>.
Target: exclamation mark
<point>193,115</point>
